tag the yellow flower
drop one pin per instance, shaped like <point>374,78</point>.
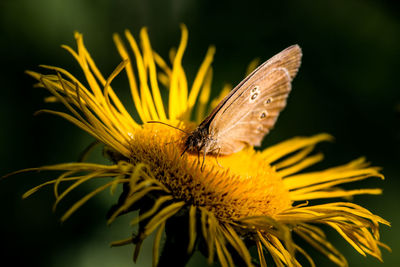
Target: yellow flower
<point>250,198</point>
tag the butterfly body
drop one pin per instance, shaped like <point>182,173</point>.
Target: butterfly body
<point>200,140</point>
<point>250,110</point>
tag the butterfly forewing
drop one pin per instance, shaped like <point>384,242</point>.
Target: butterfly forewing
<point>290,59</point>
<point>251,124</point>
<point>247,114</point>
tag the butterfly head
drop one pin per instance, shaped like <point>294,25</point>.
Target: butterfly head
<point>198,140</point>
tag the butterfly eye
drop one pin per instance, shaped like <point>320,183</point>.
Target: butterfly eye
<point>268,101</point>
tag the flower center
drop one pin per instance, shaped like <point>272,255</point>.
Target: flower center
<point>233,187</point>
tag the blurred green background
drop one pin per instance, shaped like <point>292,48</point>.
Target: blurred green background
<point>347,86</point>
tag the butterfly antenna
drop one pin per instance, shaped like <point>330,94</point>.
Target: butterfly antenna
<point>169,126</point>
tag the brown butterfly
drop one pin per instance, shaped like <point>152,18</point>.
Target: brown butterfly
<point>250,110</point>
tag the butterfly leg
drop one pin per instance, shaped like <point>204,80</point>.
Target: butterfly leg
<point>198,155</point>
<point>186,148</point>
<point>204,156</point>
<point>216,158</point>
<point>204,159</point>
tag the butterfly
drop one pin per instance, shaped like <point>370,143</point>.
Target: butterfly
<point>250,110</point>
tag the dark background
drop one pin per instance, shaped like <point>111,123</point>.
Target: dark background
<point>347,86</point>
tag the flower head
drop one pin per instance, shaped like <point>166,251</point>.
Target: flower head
<point>250,198</point>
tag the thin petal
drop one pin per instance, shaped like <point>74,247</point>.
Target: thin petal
<point>148,53</point>
<point>200,77</point>
<point>174,106</point>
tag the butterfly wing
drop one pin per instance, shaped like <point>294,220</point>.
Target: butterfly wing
<point>290,58</point>
<point>248,113</point>
<point>250,127</point>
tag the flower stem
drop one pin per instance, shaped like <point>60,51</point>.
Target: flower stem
<point>175,249</point>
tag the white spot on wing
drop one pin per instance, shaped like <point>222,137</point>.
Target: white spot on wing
<point>254,93</point>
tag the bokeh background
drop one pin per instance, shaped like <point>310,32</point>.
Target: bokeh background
<point>347,86</point>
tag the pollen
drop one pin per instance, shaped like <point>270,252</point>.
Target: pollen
<point>232,187</point>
